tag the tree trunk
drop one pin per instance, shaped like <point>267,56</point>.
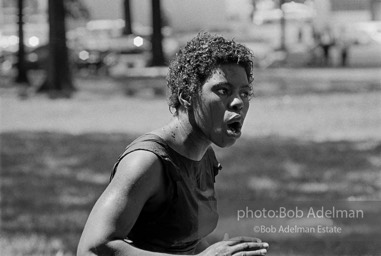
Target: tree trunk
<point>282,27</point>
<point>157,37</point>
<point>59,81</point>
<point>22,77</point>
<point>127,18</point>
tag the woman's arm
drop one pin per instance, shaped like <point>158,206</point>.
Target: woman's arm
<point>138,180</point>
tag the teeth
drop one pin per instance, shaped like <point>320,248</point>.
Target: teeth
<point>234,128</point>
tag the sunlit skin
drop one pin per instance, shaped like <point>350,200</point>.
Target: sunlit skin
<point>202,120</point>
<point>224,99</point>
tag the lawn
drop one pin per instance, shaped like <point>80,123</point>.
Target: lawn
<point>300,151</point>
<point>51,180</point>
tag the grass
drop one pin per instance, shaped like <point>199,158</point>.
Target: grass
<point>49,183</point>
<point>51,180</point>
<point>289,173</point>
<point>317,147</point>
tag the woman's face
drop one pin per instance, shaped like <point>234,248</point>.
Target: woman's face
<point>220,109</point>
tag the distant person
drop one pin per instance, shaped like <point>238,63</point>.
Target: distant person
<point>300,34</point>
<point>161,196</point>
<point>315,48</point>
<point>326,41</point>
<point>344,43</point>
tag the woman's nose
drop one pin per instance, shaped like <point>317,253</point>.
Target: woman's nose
<point>237,103</point>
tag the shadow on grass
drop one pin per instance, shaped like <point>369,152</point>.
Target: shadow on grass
<point>50,181</point>
<point>282,168</point>
<point>269,180</point>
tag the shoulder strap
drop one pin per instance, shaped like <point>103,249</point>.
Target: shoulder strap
<point>151,143</point>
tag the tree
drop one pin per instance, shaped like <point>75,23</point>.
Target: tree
<point>157,36</point>
<point>127,18</point>
<point>21,77</point>
<point>282,27</point>
<point>59,82</point>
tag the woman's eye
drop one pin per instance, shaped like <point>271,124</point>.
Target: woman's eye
<point>246,94</point>
<point>223,91</point>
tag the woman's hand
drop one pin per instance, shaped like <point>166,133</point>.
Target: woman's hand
<point>237,246</point>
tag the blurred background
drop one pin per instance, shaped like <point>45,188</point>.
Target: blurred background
<point>110,38</point>
<point>80,79</point>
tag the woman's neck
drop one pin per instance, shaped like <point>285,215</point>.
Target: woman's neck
<point>184,138</point>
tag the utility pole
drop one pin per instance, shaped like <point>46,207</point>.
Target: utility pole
<point>22,77</point>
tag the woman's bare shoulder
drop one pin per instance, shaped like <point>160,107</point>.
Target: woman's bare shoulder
<point>140,167</point>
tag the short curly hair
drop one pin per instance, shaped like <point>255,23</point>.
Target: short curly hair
<point>195,62</point>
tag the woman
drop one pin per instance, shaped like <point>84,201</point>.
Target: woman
<point>161,198</point>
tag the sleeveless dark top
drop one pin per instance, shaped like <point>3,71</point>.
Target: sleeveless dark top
<point>190,212</point>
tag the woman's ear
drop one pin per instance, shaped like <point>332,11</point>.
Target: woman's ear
<point>184,101</point>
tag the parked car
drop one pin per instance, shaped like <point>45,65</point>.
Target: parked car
<point>37,58</point>
<point>107,36</point>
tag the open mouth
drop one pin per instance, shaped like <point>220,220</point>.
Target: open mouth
<point>234,128</point>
